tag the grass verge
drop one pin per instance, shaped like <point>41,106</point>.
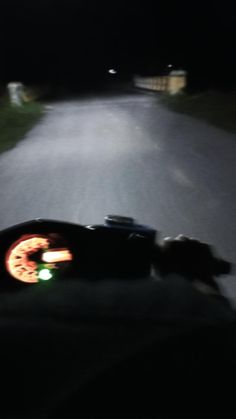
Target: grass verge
<point>216,108</point>
<point>16,121</point>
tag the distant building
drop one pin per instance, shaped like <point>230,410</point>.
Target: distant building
<point>173,83</point>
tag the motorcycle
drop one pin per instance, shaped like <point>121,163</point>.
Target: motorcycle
<point>47,250</point>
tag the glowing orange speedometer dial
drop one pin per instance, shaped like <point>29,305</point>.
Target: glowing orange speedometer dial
<point>34,258</point>
<point>18,262</point>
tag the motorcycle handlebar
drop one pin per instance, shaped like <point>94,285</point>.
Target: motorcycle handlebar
<point>120,248</point>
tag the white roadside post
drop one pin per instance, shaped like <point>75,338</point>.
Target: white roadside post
<point>16,93</point>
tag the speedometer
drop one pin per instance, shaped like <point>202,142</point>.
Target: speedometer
<point>34,258</point>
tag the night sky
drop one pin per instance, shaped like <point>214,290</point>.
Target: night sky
<point>65,41</point>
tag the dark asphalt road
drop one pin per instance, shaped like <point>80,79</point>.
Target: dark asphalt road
<point>129,155</point>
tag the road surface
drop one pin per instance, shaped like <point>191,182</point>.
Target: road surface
<point>125,154</point>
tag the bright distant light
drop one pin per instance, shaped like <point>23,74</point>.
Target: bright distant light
<point>45,274</point>
<point>112,71</point>
<point>170,65</point>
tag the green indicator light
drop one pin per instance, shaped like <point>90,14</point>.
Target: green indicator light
<point>44,275</point>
